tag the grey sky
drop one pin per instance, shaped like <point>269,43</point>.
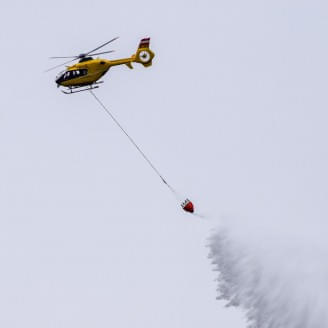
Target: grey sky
<point>232,112</point>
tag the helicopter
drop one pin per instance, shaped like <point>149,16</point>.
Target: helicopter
<point>85,74</point>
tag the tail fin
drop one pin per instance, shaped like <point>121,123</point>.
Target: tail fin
<point>144,43</point>
<point>144,55</point>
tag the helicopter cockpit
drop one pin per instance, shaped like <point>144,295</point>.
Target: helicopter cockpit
<point>71,74</point>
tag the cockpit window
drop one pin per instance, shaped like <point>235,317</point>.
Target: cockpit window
<point>74,74</point>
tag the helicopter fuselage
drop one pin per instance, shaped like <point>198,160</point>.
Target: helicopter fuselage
<point>88,71</point>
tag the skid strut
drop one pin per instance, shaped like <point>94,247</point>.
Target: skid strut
<point>77,89</point>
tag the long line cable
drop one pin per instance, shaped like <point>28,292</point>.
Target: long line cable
<point>133,142</point>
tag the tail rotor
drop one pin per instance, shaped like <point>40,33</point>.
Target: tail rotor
<point>144,55</point>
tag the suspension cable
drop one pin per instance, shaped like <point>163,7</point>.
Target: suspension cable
<point>132,141</point>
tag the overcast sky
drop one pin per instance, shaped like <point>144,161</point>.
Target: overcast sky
<point>233,112</point>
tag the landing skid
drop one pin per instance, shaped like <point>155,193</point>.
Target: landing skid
<point>81,89</point>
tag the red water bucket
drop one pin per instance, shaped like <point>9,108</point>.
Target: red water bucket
<point>188,206</point>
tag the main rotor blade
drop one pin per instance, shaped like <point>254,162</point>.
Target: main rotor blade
<point>50,69</point>
<point>100,53</point>
<point>101,45</point>
<point>63,57</point>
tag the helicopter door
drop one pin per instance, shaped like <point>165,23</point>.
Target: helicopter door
<point>83,71</point>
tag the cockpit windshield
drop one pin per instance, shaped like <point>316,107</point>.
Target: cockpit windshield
<point>71,74</point>
<point>59,75</point>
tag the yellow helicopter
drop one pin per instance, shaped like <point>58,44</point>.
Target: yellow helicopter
<point>84,75</point>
